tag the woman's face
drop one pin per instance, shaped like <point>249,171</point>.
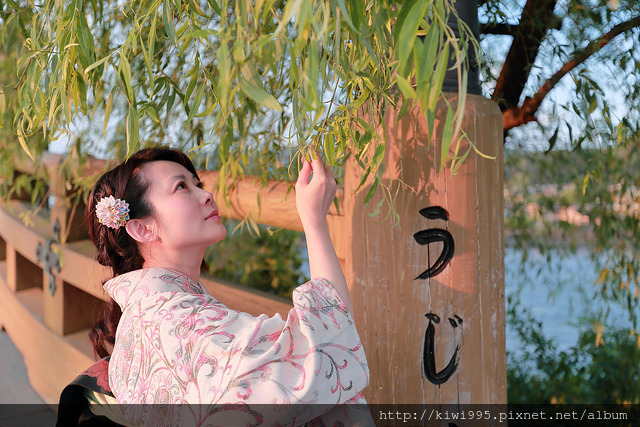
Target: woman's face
<point>185,214</point>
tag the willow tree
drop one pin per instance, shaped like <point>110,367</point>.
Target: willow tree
<point>246,84</point>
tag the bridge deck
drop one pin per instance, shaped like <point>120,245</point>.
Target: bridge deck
<point>20,405</point>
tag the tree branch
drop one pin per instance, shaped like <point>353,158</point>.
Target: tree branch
<point>537,17</point>
<point>502,29</point>
<point>516,116</point>
<point>498,28</point>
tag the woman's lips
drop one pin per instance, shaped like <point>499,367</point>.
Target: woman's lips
<point>213,214</point>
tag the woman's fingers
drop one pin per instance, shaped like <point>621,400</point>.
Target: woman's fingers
<point>316,164</point>
<point>304,174</point>
<point>329,170</point>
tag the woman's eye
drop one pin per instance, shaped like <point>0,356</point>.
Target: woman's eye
<point>200,184</point>
<point>181,185</point>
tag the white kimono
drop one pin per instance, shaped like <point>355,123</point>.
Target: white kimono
<point>194,361</point>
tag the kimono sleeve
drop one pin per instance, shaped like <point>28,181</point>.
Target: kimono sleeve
<point>313,357</point>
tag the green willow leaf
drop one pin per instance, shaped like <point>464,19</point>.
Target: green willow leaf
<point>330,151</point>
<point>147,61</point>
<point>107,112</point>
<point>25,147</point>
<point>3,106</point>
<point>87,44</point>
<point>457,162</point>
<point>153,113</point>
<point>125,76</point>
<point>151,37</point>
<point>133,129</point>
<point>357,12</point>
<point>371,192</point>
<point>195,73</point>
<point>378,155</point>
<point>259,95</point>
<point>169,27</point>
<point>405,87</point>
<point>96,64</point>
<point>406,30</point>
<point>224,78</point>
<point>214,5</point>
<point>345,13</point>
<point>291,9</point>
<point>438,78</point>
<point>196,103</point>
<point>427,63</point>
<point>447,135</point>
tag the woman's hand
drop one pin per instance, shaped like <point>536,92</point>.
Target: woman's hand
<point>314,198</point>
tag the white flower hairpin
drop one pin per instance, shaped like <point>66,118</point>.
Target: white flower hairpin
<point>111,212</point>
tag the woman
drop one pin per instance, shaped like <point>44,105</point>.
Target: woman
<point>173,343</point>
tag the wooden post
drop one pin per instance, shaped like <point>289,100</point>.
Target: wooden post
<point>69,215</point>
<point>456,314</point>
<point>67,309</point>
<point>54,305</point>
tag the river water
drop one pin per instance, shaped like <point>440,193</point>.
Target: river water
<point>558,291</point>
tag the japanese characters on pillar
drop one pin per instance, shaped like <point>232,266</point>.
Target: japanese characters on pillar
<point>425,237</point>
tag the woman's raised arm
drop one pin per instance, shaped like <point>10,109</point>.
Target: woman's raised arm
<point>313,200</point>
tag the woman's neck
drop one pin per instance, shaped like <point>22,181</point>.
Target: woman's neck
<point>184,262</point>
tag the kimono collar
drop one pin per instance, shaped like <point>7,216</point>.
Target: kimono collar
<point>137,284</point>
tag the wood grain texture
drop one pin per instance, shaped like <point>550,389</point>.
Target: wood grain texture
<point>391,304</point>
<point>273,203</point>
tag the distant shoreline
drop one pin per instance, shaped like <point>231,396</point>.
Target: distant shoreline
<point>578,238</point>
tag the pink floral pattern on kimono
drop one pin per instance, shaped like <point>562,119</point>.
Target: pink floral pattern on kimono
<point>176,344</point>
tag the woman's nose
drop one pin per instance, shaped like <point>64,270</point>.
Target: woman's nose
<point>207,197</point>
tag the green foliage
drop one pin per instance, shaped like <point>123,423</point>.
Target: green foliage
<point>269,261</point>
<point>593,371</point>
<point>230,79</point>
<point>12,143</point>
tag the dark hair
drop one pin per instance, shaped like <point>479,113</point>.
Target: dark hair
<point>116,249</point>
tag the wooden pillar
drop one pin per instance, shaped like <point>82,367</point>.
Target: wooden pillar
<point>70,216</point>
<point>457,313</point>
<point>54,305</point>
<point>67,309</point>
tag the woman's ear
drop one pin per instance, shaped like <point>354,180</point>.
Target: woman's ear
<point>141,231</point>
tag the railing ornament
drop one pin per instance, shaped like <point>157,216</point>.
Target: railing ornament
<point>51,260</point>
